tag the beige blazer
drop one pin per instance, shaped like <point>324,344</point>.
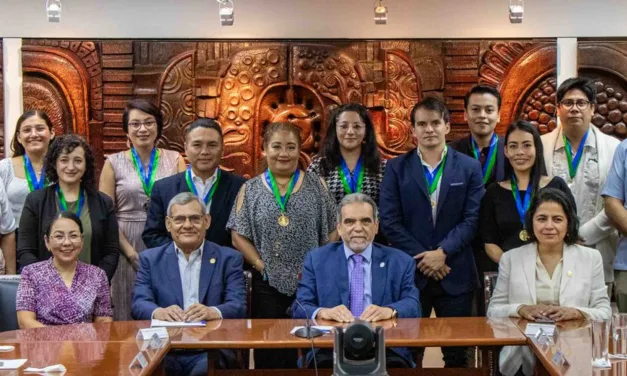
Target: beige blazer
<point>598,232</point>
<point>582,287</point>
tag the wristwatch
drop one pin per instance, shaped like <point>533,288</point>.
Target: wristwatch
<point>394,313</point>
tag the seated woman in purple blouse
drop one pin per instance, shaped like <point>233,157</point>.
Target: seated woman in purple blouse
<point>63,290</point>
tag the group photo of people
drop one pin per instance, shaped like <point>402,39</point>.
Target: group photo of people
<point>354,235</point>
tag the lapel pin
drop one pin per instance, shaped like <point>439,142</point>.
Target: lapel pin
<point>382,264</point>
<point>570,274</point>
<point>213,261</point>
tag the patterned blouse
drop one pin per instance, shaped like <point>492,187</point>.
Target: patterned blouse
<point>371,185</point>
<point>311,213</point>
<point>43,291</point>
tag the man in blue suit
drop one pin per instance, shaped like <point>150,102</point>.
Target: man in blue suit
<point>189,279</point>
<point>356,278</point>
<point>429,209</point>
<point>217,188</point>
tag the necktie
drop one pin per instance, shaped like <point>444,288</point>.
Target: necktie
<point>357,286</point>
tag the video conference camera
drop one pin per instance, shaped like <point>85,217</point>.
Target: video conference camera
<point>359,350</point>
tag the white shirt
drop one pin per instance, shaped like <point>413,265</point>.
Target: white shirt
<point>548,287</point>
<point>190,275</point>
<point>585,186</point>
<point>436,194</point>
<point>204,188</point>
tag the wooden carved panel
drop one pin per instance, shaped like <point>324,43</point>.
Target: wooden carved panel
<point>604,62</point>
<point>248,84</point>
<point>40,93</point>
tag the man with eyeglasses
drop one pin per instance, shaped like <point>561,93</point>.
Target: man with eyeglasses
<point>173,281</point>
<point>204,147</point>
<point>581,154</point>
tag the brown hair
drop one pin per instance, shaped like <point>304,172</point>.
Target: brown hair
<point>274,128</point>
<point>16,147</point>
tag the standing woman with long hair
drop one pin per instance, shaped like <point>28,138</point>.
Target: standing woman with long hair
<point>128,177</point>
<point>69,166</point>
<point>349,160</point>
<point>503,208</point>
<point>24,172</point>
<point>278,217</point>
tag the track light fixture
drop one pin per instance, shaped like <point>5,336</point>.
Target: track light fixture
<point>516,11</point>
<point>380,13</point>
<point>227,15</point>
<point>53,10</point>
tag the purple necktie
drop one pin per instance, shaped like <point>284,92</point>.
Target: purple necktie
<point>357,286</point>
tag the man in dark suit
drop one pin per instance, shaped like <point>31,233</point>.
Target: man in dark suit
<point>189,279</point>
<point>217,188</point>
<point>357,278</point>
<point>482,106</point>
<point>429,208</point>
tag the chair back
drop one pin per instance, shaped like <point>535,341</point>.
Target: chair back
<point>248,282</point>
<point>8,293</point>
<point>489,282</point>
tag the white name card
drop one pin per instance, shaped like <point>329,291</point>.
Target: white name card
<point>146,334</point>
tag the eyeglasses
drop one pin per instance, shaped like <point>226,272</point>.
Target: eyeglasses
<point>180,220</point>
<point>136,125</point>
<point>37,129</point>
<point>568,104</point>
<point>60,238</point>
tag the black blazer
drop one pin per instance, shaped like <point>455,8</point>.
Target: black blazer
<point>155,234</point>
<point>41,206</point>
<point>464,146</point>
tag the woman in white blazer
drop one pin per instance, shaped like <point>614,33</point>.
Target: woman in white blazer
<point>552,277</point>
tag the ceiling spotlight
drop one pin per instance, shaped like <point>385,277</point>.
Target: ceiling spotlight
<point>380,13</point>
<point>227,16</point>
<point>53,10</point>
<point>516,11</point>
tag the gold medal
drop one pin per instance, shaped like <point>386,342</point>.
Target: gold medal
<point>524,235</point>
<point>283,220</point>
<point>433,203</point>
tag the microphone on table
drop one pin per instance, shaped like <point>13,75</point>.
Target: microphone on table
<point>307,331</point>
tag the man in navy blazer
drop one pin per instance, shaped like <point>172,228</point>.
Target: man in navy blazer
<point>189,279</point>
<point>429,209</point>
<point>337,286</point>
<point>204,148</point>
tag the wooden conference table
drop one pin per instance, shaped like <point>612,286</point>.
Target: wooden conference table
<point>109,348</point>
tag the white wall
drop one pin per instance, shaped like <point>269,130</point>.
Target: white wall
<point>313,19</point>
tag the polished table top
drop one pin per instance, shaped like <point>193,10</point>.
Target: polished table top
<point>574,340</point>
<point>83,358</point>
<point>258,333</point>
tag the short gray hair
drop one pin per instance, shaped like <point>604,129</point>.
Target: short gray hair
<point>185,198</point>
<point>357,197</point>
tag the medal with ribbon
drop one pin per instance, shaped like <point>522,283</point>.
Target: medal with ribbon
<point>521,206</point>
<point>573,163</point>
<point>282,200</point>
<point>488,165</point>
<point>147,177</point>
<point>63,203</point>
<point>192,188</point>
<point>352,183</point>
<point>31,177</point>
<point>433,178</point>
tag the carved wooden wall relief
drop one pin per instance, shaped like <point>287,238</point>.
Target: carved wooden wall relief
<point>606,63</point>
<point>249,84</point>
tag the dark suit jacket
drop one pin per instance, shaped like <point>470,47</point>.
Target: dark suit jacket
<point>158,283</point>
<point>325,282</point>
<point>464,146</point>
<point>41,206</point>
<point>155,233</point>
<point>407,221</point>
